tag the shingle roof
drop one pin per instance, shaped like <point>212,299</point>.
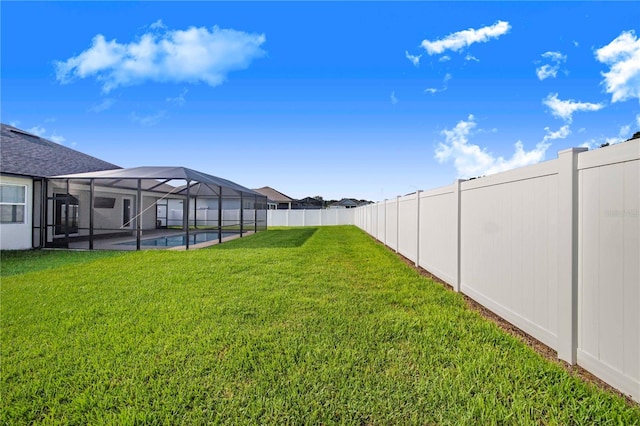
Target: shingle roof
<point>22,153</point>
<point>346,202</point>
<point>273,195</point>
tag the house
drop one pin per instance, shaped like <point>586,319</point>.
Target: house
<point>276,199</point>
<point>309,203</point>
<point>53,196</point>
<point>345,203</point>
<point>25,162</point>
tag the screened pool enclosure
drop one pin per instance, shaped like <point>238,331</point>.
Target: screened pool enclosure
<point>141,207</point>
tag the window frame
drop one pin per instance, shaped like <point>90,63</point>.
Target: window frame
<point>16,205</point>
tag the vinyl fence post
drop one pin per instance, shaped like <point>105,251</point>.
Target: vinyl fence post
<point>568,254</point>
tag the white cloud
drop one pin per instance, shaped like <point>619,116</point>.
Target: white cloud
<point>58,139</point>
<point>157,25</point>
<point>624,133</point>
<point>179,100</point>
<point>149,119</point>
<point>550,70</point>
<point>638,120</point>
<point>625,130</point>
<point>471,160</point>
<point>546,71</point>
<point>394,99</point>
<point>17,123</point>
<point>554,56</point>
<point>190,56</point>
<point>42,132</point>
<point>38,131</point>
<point>103,106</point>
<point>444,87</point>
<point>415,59</point>
<point>471,58</point>
<point>445,58</point>
<point>561,133</point>
<point>589,144</point>
<point>565,109</point>
<point>461,39</point>
<point>623,57</point>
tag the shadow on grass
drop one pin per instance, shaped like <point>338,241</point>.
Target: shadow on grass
<point>15,262</point>
<point>272,238</point>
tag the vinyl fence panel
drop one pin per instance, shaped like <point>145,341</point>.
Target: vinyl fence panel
<point>391,224</point>
<point>609,266</point>
<point>509,247</point>
<point>438,232</point>
<point>408,226</point>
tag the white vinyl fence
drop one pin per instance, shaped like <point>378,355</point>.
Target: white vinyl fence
<point>318,217</point>
<point>553,248</point>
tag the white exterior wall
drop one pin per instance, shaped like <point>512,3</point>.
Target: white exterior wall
<point>18,236</point>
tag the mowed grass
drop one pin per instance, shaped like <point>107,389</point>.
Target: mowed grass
<point>288,326</point>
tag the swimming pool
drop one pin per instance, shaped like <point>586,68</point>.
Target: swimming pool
<point>179,240</point>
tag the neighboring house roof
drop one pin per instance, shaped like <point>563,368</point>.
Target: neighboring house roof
<point>201,184</point>
<point>346,202</point>
<point>22,153</point>
<point>273,195</point>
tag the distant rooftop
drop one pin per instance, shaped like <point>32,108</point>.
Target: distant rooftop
<point>273,195</point>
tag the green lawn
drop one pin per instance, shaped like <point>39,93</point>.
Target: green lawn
<point>288,326</point>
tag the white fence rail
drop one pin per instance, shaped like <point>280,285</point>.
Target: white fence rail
<point>553,248</point>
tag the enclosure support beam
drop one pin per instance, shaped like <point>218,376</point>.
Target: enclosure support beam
<point>220,214</point>
<point>159,184</point>
<point>186,209</point>
<point>66,215</point>
<point>241,215</point>
<point>91,193</point>
<point>139,215</point>
<point>255,213</point>
<point>195,212</point>
<point>43,212</point>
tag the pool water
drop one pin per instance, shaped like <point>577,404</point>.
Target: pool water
<point>179,240</point>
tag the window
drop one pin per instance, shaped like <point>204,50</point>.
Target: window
<point>104,203</point>
<point>13,203</point>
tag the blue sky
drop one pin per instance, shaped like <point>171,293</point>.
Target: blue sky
<point>339,99</point>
